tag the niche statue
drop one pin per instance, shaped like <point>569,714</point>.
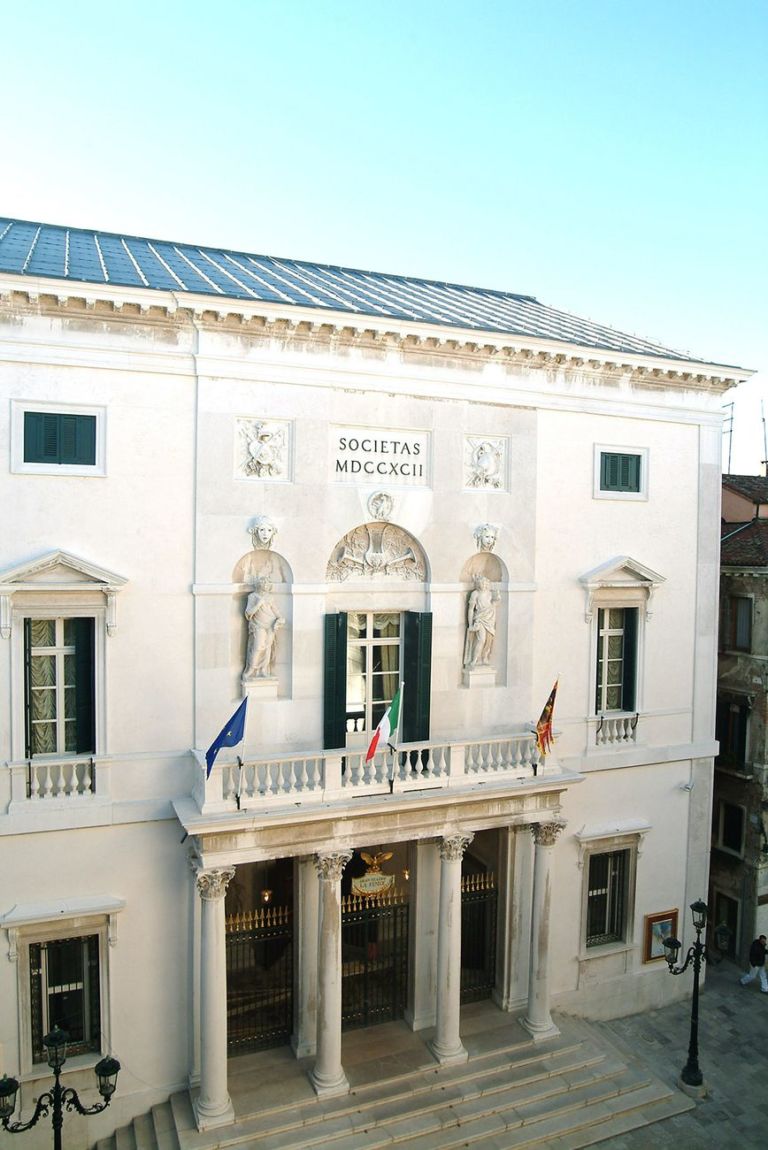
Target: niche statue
<point>481,624</point>
<point>263,624</point>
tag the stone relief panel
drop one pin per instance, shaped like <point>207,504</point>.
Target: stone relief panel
<point>374,551</point>
<point>263,449</point>
<point>486,463</point>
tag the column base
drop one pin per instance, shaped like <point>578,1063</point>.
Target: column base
<point>328,1088</point>
<point>693,1091</point>
<point>453,1057</point>
<point>539,1030</point>
<point>208,1116</point>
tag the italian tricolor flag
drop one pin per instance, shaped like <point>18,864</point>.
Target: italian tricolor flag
<point>386,731</point>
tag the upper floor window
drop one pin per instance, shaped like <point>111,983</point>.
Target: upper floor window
<point>367,655</point>
<point>729,821</point>
<point>621,473</point>
<point>373,667</point>
<point>59,681</point>
<point>616,659</point>
<point>57,439</point>
<point>739,623</point>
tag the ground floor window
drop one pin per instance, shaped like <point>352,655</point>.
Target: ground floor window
<point>65,991</point>
<point>607,897</point>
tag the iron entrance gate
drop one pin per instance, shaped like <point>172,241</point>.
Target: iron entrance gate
<point>478,936</point>
<point>374,958</point>
<point>259,978</point>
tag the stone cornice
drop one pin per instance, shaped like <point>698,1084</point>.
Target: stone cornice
<point>339,330</point>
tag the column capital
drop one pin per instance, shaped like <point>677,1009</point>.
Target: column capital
<point>545,834</point>
<point>212,884</point>
<point>452,846</point>
<point>329,866</point>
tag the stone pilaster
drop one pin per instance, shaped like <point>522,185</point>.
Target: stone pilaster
<point>447,1046</point>
<point>538,1020</point>
<point>213,1106</point>
<point>327,1076</point>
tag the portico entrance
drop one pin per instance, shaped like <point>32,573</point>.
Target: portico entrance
<point>374,959</point>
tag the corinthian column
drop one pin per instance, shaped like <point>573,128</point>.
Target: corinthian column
<point>213,1106</point>
<point>447,1045</point>
<point>328,1075</point>
<point>538,1020</point>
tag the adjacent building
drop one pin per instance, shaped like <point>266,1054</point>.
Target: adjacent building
<point>739,867</point>
<point>236,478</point>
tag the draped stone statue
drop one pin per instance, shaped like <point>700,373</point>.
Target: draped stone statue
<point>263,623</point>
<point>481,624</point>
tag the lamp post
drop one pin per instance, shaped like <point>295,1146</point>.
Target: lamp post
<point>697,953</point>
<point>54,1101</point>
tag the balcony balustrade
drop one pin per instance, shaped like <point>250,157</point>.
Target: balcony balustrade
<point>258,784</point>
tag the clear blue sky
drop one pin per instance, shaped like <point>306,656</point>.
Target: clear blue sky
<point>610,158</point>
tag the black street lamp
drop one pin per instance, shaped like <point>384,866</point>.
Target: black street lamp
<point>697,953</point>
<point>54,1101</point>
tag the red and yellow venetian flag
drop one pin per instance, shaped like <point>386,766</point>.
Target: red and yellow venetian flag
<point>544,733</point>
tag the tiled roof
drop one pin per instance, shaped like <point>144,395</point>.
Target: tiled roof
<point>84,256</point>
<point>752,487</point>
<point>744,544</point>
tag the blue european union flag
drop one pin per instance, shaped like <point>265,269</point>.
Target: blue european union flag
<point>229,737</point>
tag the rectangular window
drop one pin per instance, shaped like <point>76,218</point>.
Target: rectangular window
<point>729,827</point>
<point>731,731</point>
<point>619,472</point>
<point>616,659</point>
<point>59,438</point>
<point>65,992</point>
<point>59,682</point>
<point>607,897</point>
<point>740,620</point>
<point>373,667</point>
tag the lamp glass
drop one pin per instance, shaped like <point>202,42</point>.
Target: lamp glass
<point>56,1045</point>
<point>9,1088</point>
<point>107,1071</point>
<point>699,912</point>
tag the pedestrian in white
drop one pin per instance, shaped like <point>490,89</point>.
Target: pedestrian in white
<point>756,964</point>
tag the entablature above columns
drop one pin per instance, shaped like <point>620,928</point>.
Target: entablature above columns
<point>233,838</point>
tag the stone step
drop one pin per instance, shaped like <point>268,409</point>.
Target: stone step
<point>164,1126</point>
<point>124,1138</point>
<point>144,1132</point>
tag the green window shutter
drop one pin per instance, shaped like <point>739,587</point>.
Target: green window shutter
<point>36,1001</point>
<point>52,437</point>
<point>85,716</point>
<point>630,659</point>
<point>93,1035</point>
<point>27,688</point>
<point>619,471</point>
<point>41,437</point>
<point>335,681</point>
<point>78,439</point>
<point>417,675</point>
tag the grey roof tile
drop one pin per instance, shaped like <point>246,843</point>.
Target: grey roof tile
<point>86,256</point>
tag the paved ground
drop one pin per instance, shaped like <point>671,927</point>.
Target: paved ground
<point>733,1056</point>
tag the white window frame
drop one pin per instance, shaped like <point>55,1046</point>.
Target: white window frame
<point>56,608</point>
<point>363,737</point>
<point>613,449</point>
<point>627,836</point>
<point>53,922</point>
<point>605,601</point>
<point>18,464</point>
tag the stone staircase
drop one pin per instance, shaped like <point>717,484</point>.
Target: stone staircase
<point>567,1092</point>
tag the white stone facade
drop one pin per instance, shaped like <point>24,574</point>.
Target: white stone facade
<point>207,420</point>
